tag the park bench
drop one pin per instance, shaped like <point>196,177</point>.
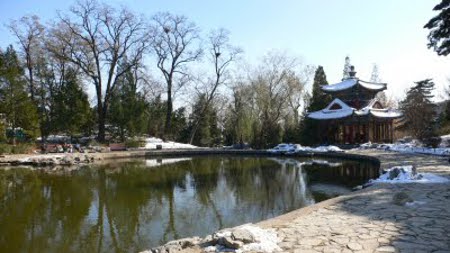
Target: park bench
<point>51,148</point>
<point>117,147</point>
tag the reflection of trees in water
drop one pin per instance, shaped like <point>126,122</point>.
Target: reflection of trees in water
<point>350,173</point>
<point>129,207</point>
<point>45,210</point>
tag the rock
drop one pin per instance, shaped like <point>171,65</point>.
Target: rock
<point>77,159</point>
<point>394,173</point>
<point>185,242</point>
<point>242,235</point>
<point>354,246</point>
<point>66,160</point>
<point>401,198</point>
<point>177,245</point>
<point>228,242</point>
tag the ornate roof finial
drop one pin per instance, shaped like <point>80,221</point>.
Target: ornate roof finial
<point>352,72</point>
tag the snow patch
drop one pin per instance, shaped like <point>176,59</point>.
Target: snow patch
<point>295,148</point>
<point>267,240</point>
<point>406,174</point>
<point>152,142</point>
<point>415,203</point>
<point>412,147</point>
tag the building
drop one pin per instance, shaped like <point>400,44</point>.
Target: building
<point>355,115</point>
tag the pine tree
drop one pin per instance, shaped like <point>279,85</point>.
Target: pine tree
<point>419,111</point>
<point>318,101</point>
<point>128,106</point>
<point>20,112</point>
<point>439,27</point>
<point>72,112</point>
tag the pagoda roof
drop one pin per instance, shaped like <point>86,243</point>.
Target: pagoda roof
<point>351,82</point>
<point>337,109</point>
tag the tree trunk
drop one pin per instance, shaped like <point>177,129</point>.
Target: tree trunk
<point>101,123</point>
<point>168,125</point>
<point>194,131</point>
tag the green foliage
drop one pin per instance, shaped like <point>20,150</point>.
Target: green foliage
<point>208,133</point>
<point>21,148</point>
<point>134,143</point>
<point>15,103</point>
<point>72,112</point>
<point>157,113</point>
<point>421,119</point>
<point>309,130</point>
<point>239,120</point>
<point>127,110</point>
<point>439,27</point>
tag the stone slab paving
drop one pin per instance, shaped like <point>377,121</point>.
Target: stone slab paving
<point>370,220</point>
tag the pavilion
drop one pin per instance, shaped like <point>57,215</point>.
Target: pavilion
<point>355,115</point>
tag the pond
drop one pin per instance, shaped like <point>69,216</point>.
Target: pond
<point>133,205</point>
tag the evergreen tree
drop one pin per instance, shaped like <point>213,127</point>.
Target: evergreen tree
<point>439,27</point>
<point>419,111</point>
<point>72,112</point>
<point>128,106</point>
<point>309,132</point>
<point>208,133</point>
<point>15,104</point>
<point>156,112</point>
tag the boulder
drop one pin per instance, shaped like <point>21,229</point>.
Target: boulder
<point>242,235</point>
<point>394,173</point>
<point>228,242</point>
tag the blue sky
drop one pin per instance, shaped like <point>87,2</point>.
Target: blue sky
<point>321,32</point>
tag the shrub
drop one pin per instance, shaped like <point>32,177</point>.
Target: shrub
<point>432,142</point>
<point>134,143</point>
<point>21,148</point>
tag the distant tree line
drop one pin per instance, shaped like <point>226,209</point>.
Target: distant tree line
<point>161,76</point>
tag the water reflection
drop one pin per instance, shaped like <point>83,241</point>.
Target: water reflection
<point>131,206</point>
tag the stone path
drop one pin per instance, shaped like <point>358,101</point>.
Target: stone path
<point>370,221</point>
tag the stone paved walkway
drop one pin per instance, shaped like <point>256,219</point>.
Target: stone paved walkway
<point>370,221</point>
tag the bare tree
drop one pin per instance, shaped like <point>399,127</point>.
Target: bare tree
<point>98,37</point>
<point>29,31</point>
<point>175,46</point>
<point>221,55</point>
<point>271,88</point>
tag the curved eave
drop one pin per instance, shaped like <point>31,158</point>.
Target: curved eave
<point>321,115</point>
<point>373,86</point>
<point>386,114</point>
<point>350,83</point>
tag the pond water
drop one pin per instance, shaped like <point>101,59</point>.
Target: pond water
<point>129,206</point>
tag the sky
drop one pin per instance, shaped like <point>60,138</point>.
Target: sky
<point>321,32</point>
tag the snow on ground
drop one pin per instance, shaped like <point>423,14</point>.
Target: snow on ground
<point>152,142</point>
<point>294,148</point>
<point>267,240</point>
<point>407,174</point>
<point>411,147</point>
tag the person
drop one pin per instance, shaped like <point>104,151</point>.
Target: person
<point>59,148</point>
<point>78,148</point>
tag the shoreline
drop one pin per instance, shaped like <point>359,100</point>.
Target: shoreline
<point>54,159</point>
<point>367,220</point>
